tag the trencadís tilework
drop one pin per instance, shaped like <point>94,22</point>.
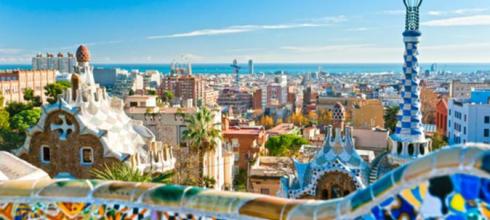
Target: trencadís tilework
<point>453,183</point>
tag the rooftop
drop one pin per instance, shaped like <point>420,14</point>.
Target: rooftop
<point>272,167</point>
<point>251,130</point>
<point>283,128</point>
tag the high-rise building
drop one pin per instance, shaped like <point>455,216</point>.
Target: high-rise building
<point>185,87</point>
<point>441,116</point>
<point>239,101</point>
<point>62,63</point>
<point>13,83</point>
<point>251,69</point>
<point>277,92</point>
<point>468,120</point>
<point>462,90</point>
<point>236,71</point>
<point>257,99</point>
<point>108,77</point>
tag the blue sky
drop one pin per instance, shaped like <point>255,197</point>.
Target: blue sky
<point>296,31</point>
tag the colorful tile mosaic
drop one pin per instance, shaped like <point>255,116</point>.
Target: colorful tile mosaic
<point>454,190</point>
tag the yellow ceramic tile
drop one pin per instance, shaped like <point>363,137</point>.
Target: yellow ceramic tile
<point>115,190</point>
<point>266,207</point>
<point>422,167</point>
<point>448,158</point>
<point>67,189</point>
<point>16,188</point>
<point>305,211</point>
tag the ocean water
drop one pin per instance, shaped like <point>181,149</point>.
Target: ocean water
<point>289,68</point>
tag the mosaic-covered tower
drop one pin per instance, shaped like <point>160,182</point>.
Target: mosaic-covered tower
<point>409,141</point>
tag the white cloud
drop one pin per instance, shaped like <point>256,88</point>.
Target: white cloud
<point>250,28</point>
<point>476,20</point>
<point>435,13</point>
<point>15,60</point>
<point>360,29</point>
<point>475,46</point>
<point>245,49</point>
<point>74,46</point>
<point>9,50</point>
<point>324,48</point>
<point>462,11</point>
<point>393,12</point>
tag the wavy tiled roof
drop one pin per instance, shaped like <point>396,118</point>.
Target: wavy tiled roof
<point>408,184</point>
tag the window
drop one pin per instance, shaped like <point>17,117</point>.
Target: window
<point>487,119</point>
<point>486,132</point>
<point>399,147</point>
<point>45,154</point>
<point>133,104</point>
<point>264,191</point>
<point>86,156</point>
<point>237,156</point>
<point>411,149</point>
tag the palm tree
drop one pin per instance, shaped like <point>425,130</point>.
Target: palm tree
<point>124,172</point>
<point>202,135</point>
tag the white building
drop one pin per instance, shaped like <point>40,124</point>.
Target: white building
<point>469,119</point>
<point>107,77</point>
<point>62,63</point>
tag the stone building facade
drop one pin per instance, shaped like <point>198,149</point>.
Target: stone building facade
<point>13,83</point>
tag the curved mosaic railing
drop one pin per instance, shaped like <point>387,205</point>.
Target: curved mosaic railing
<point>454,182</point>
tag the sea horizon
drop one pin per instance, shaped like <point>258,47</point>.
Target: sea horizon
<point>289,68</point>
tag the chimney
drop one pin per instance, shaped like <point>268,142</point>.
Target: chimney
<point>226,123</point>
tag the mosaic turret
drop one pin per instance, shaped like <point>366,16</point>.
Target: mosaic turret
<point>408,140</point>
<point>335,171</point>
<point>338,116</point>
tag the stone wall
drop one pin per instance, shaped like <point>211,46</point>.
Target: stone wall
<point>65,154</point>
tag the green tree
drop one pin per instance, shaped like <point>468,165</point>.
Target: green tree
<point>4,119</point>
<point>4,114</point>
<point>202,135</point>
<point>28,94</point>
<point>390,117</point>
<point>131,92</point>
<point>240,181</point>
<point>167,96</point>
<point>30,97</point>
<point>64,83</point>
<point>14,108</point>
<point>151,92</point>
<point>124,172</point>
<point>10,139</point>
<point>438,141</point>
<point>285,145</point>
<point>208,182</point>
<point>25,119</point>
<point>53,90</point>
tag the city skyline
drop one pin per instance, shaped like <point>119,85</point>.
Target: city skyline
<point>313,31</point>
